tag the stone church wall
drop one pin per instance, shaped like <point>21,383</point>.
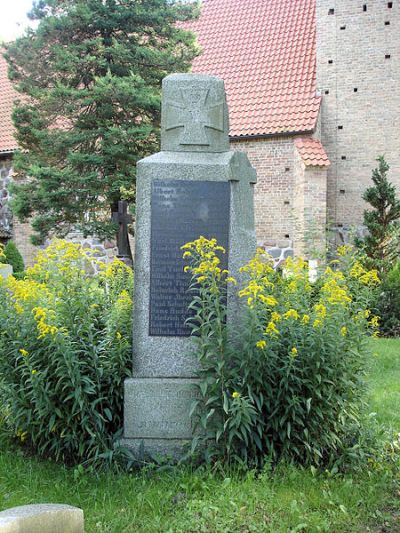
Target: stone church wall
<point>358,75</point>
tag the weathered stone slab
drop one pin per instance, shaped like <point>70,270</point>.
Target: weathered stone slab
<point>5,270</point>
<point>42,518</point>
<point>159,408</point>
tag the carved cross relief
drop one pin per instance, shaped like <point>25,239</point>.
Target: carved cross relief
<point>194,114</point>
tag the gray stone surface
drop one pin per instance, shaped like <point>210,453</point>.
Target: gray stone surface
<point>5,270</point>
<point>42,518</point>
<point>158,408</point>
<point>195,147</point>
<point>194,114</point>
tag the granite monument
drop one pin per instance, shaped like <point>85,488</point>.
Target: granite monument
<point>195,186</point>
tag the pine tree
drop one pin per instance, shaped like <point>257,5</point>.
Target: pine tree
<point>381,244</point>
<point>90,79</point>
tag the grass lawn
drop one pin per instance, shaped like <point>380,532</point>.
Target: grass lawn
<point>288,500</point>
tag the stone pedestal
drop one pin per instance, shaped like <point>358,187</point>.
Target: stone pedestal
<point>194,186</point>
<point>5,271</point>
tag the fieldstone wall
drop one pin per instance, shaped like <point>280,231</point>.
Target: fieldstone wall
<point>102,251</point>
<point>5,212</point>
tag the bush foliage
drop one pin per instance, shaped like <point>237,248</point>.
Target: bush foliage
<point>388,303</point>
<point>12,256</point>
<point>289,383</point>
<point>65,344</point>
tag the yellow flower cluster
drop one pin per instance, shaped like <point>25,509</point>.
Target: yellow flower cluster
<point>26,290</point>
<point>40,315</point>
<point>124,301</point>
<point>271,329</point>
<point>236,395</point>
<point>60,256</point>
<point>261,344</point>
<point>291,313</point>
<point>344,250</point>
<point>367,277</point>
<point>110,270</point>
<point>22,435</point>
<point>294,352</point>
<point>336,293</point>
<point>203,252</point>
<point>260,266</point>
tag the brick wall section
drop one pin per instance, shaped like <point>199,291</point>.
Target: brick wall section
<point>356,42</point>
<point>309,209</point>
<point>290,198</point>
<point>21,236</point>
<point>273,159</point>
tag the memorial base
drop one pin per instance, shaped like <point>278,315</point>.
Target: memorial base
<point>156,416</point>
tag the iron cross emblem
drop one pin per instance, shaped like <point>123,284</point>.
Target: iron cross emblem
<point>195,114</point>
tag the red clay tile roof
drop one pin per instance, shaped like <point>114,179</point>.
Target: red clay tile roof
<point>7,97</point>
<point>265,50</point>
<point>312,152</point>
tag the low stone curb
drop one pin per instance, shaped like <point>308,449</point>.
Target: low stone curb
<point>42,518</point>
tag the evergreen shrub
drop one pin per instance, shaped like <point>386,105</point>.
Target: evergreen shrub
<point>288,384</point>
<point>65,345</point>
<point>388,303</point>
<point>13,257</point>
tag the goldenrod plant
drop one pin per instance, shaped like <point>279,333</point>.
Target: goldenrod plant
<point>65,345</point>
<point>289,384</point>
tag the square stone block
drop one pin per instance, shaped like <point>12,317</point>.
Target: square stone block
<point>158,408</point>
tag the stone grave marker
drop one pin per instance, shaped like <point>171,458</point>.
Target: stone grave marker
<point>42,518</point>
<point>194,186</point>
<point>5,270</point>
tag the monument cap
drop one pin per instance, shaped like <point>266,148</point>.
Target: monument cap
<point>194,114</point>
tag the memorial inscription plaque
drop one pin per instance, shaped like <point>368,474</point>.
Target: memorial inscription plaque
<point>181,211</point>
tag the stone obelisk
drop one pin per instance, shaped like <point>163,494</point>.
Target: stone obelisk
<point>194,186</point>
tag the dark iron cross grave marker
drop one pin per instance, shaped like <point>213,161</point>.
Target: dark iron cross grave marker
<point>123,218</point>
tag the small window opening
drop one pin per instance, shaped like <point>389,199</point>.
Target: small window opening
<point>287,169</point>
<point>331,11</point>
<point>342,191</point>
<point>342,27</point>
<point>390,5</point>
<point>286,202</point>
<point>355,89</point>
<point>387,22</point>
<point>287,236</point>
<point>340,225</point>
<point>387,56</point>
<point>365,7</point>
<point>344,158</point>
<point>327,91</point>
<point>340,127</point>
<point>330,61</point>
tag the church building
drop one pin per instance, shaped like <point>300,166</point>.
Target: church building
<point>313,92</point>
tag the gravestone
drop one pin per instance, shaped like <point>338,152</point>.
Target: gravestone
<point>5,270</point>
<point>194,186</point>
<point>123,218</point>
<point>42,518</point>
